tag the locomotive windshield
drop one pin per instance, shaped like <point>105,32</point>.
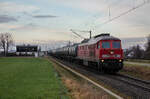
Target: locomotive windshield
<point>116,44</point>
<point>105,44</point>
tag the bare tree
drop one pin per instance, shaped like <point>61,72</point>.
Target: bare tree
<point>137,52</point>
<point>6,41</point>
<point>3,42</point>
<point>147,52</point>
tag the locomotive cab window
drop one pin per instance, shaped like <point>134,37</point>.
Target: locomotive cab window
<point>116,44</point>
<point>98,45</point>
<point>105,44</point>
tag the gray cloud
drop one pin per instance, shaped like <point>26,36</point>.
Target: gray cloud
<point>6,19</point>
<point>44,16</point>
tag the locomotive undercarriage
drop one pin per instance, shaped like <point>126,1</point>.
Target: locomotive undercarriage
<point>106,65</point>
<point>111,66</point>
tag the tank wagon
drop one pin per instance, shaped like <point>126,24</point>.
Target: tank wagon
<point>103,52</point>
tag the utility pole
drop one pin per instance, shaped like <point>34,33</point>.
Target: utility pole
<point>109,14</point>
<point>90,33</point>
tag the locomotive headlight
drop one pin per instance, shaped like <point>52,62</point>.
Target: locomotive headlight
<point>105,56</point>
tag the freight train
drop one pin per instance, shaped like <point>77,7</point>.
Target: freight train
<point>102,52</point>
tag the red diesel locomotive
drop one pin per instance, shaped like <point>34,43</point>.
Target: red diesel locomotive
<point>103,52</point>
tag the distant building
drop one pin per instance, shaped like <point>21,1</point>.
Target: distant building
<point>1,52</point>
<point>27,50</point>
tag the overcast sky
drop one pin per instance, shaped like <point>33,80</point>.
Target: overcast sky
<point>30,20</point>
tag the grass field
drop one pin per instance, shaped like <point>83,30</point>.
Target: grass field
<point>29,78</point>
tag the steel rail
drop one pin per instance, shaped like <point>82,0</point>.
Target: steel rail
<point>136,79</point>
<point>136,83</point>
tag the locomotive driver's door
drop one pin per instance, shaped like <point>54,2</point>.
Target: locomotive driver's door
<point>97,47</point>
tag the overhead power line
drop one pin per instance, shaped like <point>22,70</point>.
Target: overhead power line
<point>90,32</point>
<point>77,34</point>
<point>126,12</point>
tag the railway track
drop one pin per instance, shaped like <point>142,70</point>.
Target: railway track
<point>133,78</point>
<point>128,85</point>
<point>135,81</point>
<point>144,85</point>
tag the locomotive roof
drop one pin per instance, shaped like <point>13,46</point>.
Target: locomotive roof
<point>97,38</point>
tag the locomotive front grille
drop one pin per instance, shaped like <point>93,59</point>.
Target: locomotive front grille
<point>112,61</point>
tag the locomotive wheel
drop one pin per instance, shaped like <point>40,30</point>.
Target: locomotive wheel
<point>100,67</point>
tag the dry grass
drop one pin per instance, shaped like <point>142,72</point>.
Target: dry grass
<point>138,60</point>
<point>79,88</point>
<point>84,91</point>
<point>138,71</point>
